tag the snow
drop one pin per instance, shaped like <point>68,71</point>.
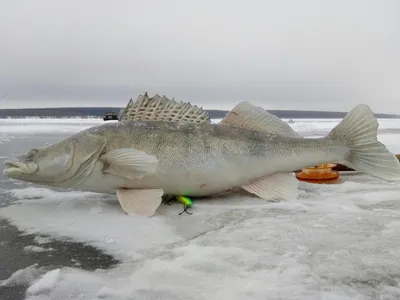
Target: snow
<point>74,210</point>
<point>23,276</point>
<point>41,240</point>
<point>31,126</point>
<point>338,241</point>
<point>37,249</point>
<point>37,125</point>
<point>44,284</point>
<point>311,125</point>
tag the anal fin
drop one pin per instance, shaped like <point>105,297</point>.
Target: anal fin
<point>275,187</point>
<point>140,202</point>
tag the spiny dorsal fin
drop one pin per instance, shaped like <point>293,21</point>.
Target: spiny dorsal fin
<point>159,108</point>
<point>253,117</point>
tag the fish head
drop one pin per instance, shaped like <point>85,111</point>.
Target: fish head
<point>63,164</point>
<point>46,164</point>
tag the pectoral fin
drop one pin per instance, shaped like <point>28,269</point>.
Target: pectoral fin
<point>129,163</point>
<point>279,186</point>
<point>140,202</point>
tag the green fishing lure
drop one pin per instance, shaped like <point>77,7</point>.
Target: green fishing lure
<point>187,203</point>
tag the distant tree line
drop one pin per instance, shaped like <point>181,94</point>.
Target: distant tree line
<point>214,114</point>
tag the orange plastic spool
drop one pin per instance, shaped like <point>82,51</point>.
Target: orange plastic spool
<point>318,174</point>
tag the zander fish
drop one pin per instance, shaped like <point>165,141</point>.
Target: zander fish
<point>143,159</point>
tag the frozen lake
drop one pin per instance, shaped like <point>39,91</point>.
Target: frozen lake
<point>338,241</point>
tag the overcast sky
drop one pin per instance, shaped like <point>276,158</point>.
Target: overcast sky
<point>328,55</point>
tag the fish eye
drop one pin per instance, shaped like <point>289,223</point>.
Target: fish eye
<point>31,153</point>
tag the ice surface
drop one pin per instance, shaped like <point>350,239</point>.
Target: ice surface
<point>334,242</point>
<point>23,276</point>
<point>37,249</point>
<point>325,125</point>
<point>72,210</point>
<point>44,284</point>
<point>41,240</point>
<point>36,125</point>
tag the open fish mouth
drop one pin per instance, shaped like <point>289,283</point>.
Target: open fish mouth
<point>17,167</point>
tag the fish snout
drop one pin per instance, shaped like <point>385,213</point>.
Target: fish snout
<point>18,167</point>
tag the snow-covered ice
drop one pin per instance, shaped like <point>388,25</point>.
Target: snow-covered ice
<point>34,248</point>
<point>36,125</point>
<point>23,276</point>
<point>46,283</point>
<point>336,241</point>
<point>41,240</point>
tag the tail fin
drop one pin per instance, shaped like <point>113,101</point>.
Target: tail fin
<point>358,130</point>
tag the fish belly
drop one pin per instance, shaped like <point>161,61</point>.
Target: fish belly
<point>190,182</point>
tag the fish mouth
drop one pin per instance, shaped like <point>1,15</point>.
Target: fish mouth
<point>13,167</point>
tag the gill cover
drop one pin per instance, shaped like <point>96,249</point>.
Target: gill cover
<point>87,148</point>
<point>51,161</point>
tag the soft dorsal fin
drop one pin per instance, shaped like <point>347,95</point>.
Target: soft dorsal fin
<point>158,108</point>
<point>253,117</point>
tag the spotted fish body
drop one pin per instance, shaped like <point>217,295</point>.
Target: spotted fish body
<point>204,159</point>
<point>148,156</point>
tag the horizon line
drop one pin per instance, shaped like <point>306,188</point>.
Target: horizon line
<point>215,109</point>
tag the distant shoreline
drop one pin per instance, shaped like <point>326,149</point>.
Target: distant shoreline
<point>98,112</point>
